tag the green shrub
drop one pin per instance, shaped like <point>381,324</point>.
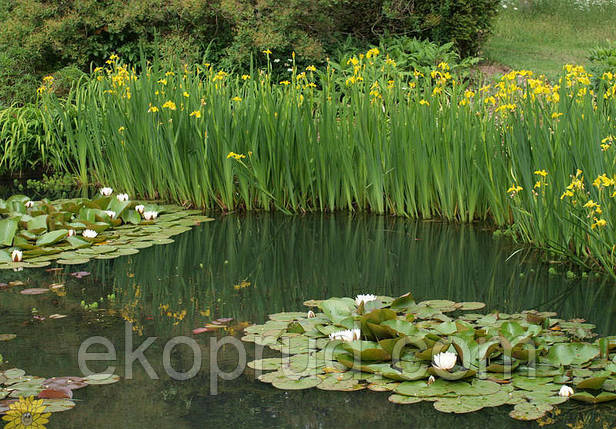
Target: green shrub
<point>40,37</point>
<point>412,54</point>
<point>602,61</point>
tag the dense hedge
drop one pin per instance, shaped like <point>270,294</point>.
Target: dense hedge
<point>40,37</point>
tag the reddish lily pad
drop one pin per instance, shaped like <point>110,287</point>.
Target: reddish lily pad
<point>56,394</point>
<point>59,383</point>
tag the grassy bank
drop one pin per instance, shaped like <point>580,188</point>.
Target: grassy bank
<point>542,35</point>
<point>363,135</point>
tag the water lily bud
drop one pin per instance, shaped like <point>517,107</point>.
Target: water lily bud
<point>122,197</point>
<point>89,233</point>
<point>311,314</point>
<point>364,298</point>
<point>444,361</point>
<point>29,204</point>
<point>565,391</point>
<point>106,191</point>
<point>71,232</point>
<point>140,208</point>
<point>17,255</point>
<point>431,380</point>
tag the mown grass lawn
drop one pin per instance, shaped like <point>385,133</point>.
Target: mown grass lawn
<point>544,37</point>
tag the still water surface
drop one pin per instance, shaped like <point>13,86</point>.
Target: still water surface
<point>246,267</point>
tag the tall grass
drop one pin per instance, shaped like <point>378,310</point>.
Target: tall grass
<point>23,141</point>
<point>301,148</point>
<point>366,136</point>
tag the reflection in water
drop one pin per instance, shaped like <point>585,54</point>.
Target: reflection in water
<point>248,267</point>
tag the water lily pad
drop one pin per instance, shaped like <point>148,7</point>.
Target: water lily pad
<point>528,411</point>
<point>57,393</point>
<point>14,373</point>
<point>108,256</point>
<point>338,382</point>
<point>52,237</point>
<point>58,405</point>
<point>591,399</point>
<point>383,387</point>
<point>75,261</point>
<point>72,383</point>
<point>459,405</point>
<point>470,306</point>
<point>292,384</point>
<point>160,241</point>
<point>269,364</point>
<point>571,354</point>
<point>403,400</point>
<point>99,379</point>
<point>591,383</point>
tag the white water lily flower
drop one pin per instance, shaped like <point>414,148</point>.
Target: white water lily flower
<point>444,361</point>
<point>151,215</point>
<point>17,255</point>
<point>122,197</point>
<point>105,192</point>
<point>364,298</point>
<point>346,335</point>
<point>140,208</point>
<point>71,232</point>
<point>311,314</point>
<point>29,204</point>
<point>110,213</point>
<point>565,391</point>
<point>89,233</point>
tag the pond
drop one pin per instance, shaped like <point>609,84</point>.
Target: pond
<point>246,267</point>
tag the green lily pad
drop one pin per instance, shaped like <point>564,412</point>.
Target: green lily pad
<point>58,405</point>
<point>528,411</point>
<point>74,261</point>
<point>269,364</point>
<point>403,400</point>
<point>591,383</point>
<point>296,384</point>
<point>459,405</point>
<point>52,237</point>
<point>100,379</point>
<point>14,373</point>
<point>470,306</point>
<point>591,399</point>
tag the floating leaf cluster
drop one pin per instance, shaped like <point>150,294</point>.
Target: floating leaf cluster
<point>73,231</point>
<point>438,351</point>
<point>56,392</point>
